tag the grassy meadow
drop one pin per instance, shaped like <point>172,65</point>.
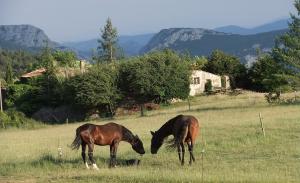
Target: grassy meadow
<point>234,147</point>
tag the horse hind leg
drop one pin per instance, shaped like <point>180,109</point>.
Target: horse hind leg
<point>191,146</point>
<point>179,151</point>
<point>183,152</point>
<point>83,155</point>
<point>90,153</point>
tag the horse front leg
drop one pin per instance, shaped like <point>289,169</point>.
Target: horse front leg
<point>113,154</point>
<point>111,159</point>
<point>90,154</point>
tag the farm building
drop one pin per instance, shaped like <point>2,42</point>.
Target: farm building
<point>61,71</point>
<point>199,78</point>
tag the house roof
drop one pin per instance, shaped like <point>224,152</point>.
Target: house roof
<point>34,73</point>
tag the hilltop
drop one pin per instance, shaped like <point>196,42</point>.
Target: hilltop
<point>199,41</point>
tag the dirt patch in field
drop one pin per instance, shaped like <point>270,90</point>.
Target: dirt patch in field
<point>17,180</point>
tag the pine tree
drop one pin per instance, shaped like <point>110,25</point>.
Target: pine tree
<point>108,42</point>
<point>287,50</point>
<point>9,74</point>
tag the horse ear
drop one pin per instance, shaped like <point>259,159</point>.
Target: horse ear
<point>152,133</point>
<point>136,136</point>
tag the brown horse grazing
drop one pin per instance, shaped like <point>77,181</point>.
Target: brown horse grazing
<point>108,134</point>
<point>184,129</point>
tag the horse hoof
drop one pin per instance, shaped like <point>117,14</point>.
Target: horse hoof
<point>95,167</point>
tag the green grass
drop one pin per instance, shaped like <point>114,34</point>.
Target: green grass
<point>235,149</point>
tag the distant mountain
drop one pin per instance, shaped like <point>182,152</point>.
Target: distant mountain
<point>131,45</point>
<point>276,25</point>
<point>196,41</point>
<point>25,37</point>
<point>203,42</point>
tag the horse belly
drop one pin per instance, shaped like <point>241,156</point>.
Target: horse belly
<point>100,141</point>
<point>105,140</point>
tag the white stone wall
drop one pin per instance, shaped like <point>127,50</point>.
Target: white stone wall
<point>199,78</point>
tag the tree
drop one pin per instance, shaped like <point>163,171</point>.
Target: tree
<point>95,89</point>
<point>264,75</point>
<point>287,49</point>
<point>155,77</point>
<point>108,42</point>
<point>65,58</point>
<point>224,64</point>
<point>49,81</point>
<point>198,63</point>
<point>9,73</point>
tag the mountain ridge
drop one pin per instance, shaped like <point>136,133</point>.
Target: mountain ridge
<point>24,35</point>
<point>205,41</point>
<point>267,27</point>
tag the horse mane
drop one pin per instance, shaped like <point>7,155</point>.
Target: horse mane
<point>127,135</point>
<point>172,143</point>
<point>166,129</point>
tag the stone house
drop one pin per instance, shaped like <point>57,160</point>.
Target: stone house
<point>199,78</point>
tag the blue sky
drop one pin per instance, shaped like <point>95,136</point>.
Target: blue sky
<point>74,20</point>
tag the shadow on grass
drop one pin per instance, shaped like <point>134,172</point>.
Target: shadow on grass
<point>50,160</point>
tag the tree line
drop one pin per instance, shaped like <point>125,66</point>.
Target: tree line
<point>155,77</point>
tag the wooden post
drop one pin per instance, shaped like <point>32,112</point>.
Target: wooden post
<point>202,166</point>
<point>59,150</point>
<point>142,110</point>
<point>1,106</point>
<point>262,125</point>
<point>202,156</point>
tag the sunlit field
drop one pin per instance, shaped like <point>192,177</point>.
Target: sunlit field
<point>230,147</point>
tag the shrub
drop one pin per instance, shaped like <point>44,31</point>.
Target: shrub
<point>23,97</point>
<point>95,89</point>
<point>13,118</point>
<point>208,86</point>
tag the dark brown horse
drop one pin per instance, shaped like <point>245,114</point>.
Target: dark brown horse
<point>109,134</point>
<point>184,129</point>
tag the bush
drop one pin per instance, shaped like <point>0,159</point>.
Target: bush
<point>15,92</point>
<point>223,81</point>
<point>13,118</point>
<point>208,86</point>
<point>95,89</point>
<point>23,97</point>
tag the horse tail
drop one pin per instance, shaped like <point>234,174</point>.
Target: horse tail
<point>77,141</point>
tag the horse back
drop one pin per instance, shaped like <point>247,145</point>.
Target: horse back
<point>101,134</point>
<point>186,128</point>
<point>193,129</point>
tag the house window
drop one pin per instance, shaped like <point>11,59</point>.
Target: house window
<point>196,80</point>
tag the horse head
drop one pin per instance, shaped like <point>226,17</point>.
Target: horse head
<point>137,145</point>
<point>156,142</point>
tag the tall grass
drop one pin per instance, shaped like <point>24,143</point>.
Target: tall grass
<point>235,149</point>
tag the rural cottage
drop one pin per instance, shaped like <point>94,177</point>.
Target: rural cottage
<point>199,78</point>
